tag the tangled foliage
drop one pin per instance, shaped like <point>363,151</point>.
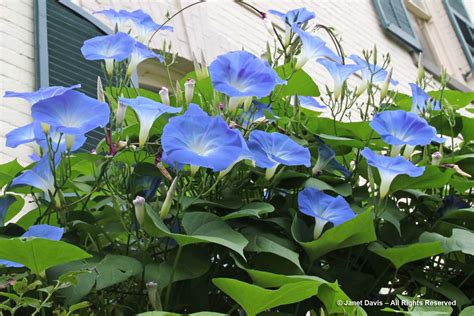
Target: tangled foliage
<point>242,189</point>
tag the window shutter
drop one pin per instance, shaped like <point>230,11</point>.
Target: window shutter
<point>394,18</point>
<point>62,36</point>
<point>463,27</point>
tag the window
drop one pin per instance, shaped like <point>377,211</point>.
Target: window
<point>463,27</point>
<point>62,27</point>
<point>394,18</point>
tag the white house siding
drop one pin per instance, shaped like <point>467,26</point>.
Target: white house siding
<point>216,27</point>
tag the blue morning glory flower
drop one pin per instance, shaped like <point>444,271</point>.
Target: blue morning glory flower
<point>145,25</point>
<point>310,103</point>
<point>327,160</point>
<point>292,18</point>
<point>38,231</point>
<point>420,100</point>
<point>119,18</point>
<point>140,53</point>
<point>200,140</point>
<point>241,75</point>
<point>108,48</point>
<point>271,150</point>
<point>41,94</point>
<point>389,168</point>
<point>147,111</point>
<point>40,176</point>
<point>324,208</point>
<point>370,73</point>
<point>313,47</point>
<point>403,128</point>
<point>339,73</point>
<point>72,113</point>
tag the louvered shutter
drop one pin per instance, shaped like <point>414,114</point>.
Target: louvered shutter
<point>64,33</point>
<point>394,18</point>
<point>463,27</point>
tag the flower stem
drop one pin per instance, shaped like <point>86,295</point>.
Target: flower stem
<point>173,271</point>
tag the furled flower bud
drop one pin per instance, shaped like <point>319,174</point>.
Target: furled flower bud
<point>168,199</point>
<point>436,158</point>
<point>268,24</point>
<point>153,297</point>
<point>421,69</point>
<point>165,96</point>
<point>122,144</point>
<point>200,67</point>
<point>100,90</point>
<point>120,114</point>
<point>139,204</point>
<point>386,84</point>
<point>189,90</point>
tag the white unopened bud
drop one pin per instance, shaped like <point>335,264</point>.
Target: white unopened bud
<point>122,144</point>
<point>120,113</point>
<point>268,26</point>
<point>436,158</point>
<point>168,199</point>
<point>100,91</point>
<point>189,90</point>
<point>165,96</point>
<point>385,85</point>
<point>153,297</point>
<point>70,141</point>
<point>139,204</point>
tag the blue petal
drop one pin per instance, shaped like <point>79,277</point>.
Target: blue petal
<point>419,98</point>
<point>242,74</point>
<point>391,165</point>
<point>20,135</point>
<point>72,113</point>
<point>310,103</point>
<point>41,94</point>
<point>313,47</point>
<point>40,176</point>
<point>400,128</point>
<point>339,72</point>
<point>44,231</point>
<point>296,16</point>
<point>116,46</point>
<point>275,148</point>
<point>327,159</point>
<point>315,203</point>
<point>117,17</point>
<point>198,139</point>
<point>141,52</point>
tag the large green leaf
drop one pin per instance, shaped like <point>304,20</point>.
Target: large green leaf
<point>467,129</point>
<point>402,255</point>
<point>354,130</point>
<point>454,98</point>
<point>255,209</point>
<point>254,299</point>
<point>343,189</point>
<point>329,293</point>
<point>300,83</point>
<point>114,269</point>
<point>8,171</point>
<point>460,240</point>
<point>359,230</point>
<point>39,254</point>
<point>192,263</point>
<point>265,243</point>
<point>433,177</point>
<point>200,227</point>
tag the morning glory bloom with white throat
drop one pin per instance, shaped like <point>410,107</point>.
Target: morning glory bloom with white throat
<point>148,112</point>
<point>200,140</point>
<point>269,150</point>
<point>108,48</point>
<point>324,208</point>
<point>242,75</point>
<point>389,168</point>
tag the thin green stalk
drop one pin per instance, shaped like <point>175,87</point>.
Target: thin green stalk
<point>173,271</point>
